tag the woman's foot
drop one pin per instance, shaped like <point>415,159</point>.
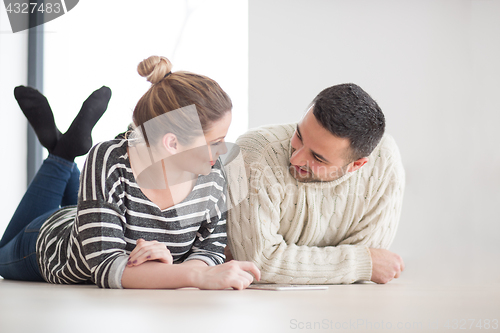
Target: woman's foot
<point>77,140</point>
<point>37,110</point>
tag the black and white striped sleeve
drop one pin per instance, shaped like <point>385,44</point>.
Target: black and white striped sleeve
<point>101,220</point>
<point>211,237</point>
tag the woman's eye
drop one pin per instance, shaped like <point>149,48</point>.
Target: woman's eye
<point>215,143</point>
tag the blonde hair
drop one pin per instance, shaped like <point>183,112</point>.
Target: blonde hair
<point>177,90</point>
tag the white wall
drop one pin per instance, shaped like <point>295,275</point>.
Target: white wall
<point>433,67</point>
<point>13,72</point>
<point>205,37</point>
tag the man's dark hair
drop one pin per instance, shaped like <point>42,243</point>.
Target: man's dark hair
<point>347,111</point>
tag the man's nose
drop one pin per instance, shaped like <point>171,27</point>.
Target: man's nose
<point>298,157</point>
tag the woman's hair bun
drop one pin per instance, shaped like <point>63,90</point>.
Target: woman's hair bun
<point>154,68</point>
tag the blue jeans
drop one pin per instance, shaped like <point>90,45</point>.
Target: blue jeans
<point>55,185</point>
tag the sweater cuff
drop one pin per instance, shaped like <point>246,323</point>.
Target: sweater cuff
<point>364,263</point>
<point>116,272</point>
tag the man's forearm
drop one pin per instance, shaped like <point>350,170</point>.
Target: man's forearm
<point>308,264</point>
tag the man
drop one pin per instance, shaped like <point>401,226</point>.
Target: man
<point>324,195</point>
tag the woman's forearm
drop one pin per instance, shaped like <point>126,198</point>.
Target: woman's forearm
<point>193,273</point>
<point>157,275</point>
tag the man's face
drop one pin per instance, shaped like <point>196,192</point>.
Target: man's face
<point>317,155</point>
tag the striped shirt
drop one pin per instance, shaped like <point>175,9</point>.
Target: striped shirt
<point>92,241</point>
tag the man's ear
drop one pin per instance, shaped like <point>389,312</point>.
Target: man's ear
<point>357,164</point>
<point>170,143</point>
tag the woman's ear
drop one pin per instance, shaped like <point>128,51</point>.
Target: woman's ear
<point>170,143</point>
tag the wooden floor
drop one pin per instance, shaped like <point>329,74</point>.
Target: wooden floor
<point>400,306</point>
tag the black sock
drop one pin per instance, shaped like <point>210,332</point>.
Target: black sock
<point>37,110</point>
<point>77,140</point>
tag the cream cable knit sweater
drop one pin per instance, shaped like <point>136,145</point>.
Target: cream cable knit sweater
<point>310,233</point>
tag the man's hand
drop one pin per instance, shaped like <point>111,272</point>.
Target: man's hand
<point>149,250</point>
<point>386,265</point>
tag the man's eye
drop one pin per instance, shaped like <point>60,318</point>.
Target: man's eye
<point>215,143</point>
<point>317,159</point>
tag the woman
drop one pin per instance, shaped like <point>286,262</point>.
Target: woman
<point>143,203</point>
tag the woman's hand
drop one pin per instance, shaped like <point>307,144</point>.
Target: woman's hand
<point>233,274</point>
<point>149,250</point>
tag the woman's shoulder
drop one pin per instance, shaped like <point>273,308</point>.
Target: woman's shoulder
<point>106,169</point>
<point>107,148</point>
<point>105,157</point>
<point>108,153</point>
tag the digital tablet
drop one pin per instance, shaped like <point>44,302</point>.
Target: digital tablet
<point>283,286</point>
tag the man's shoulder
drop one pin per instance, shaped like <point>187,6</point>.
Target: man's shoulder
<point>256,142</point>
<point>387,156</point>
<point>387,147</point>
<point>268,134</point>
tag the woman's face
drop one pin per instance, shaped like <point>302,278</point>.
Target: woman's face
<point>199,156</point>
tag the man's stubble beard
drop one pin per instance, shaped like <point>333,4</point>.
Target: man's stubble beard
<point>312,178</point>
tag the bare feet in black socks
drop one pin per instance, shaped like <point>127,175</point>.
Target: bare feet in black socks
<point>77,140</point>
